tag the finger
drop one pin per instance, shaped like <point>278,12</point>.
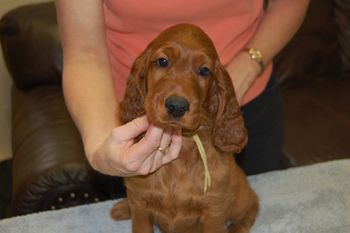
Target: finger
<point>174,148</point>
<point>152,163</point>
<point>158,161</point>
<point>131,129</point>
<point>147,165</point>
<point>141,154</point>
<point>155,160</point>
<point>165,141</point>
<point>148,144</point>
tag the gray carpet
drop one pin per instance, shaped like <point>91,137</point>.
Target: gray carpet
<point>312,199</point>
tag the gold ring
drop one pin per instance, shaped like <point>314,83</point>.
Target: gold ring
<point>162,150</point>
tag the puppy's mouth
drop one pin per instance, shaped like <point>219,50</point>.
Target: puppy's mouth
<point>187,129</point>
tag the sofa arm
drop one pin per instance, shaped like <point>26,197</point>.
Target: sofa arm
<point>31,45</point>
<point>50,170</point>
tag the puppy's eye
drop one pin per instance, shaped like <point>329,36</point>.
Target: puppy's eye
<point>204,71</point>
<point>162,62</point>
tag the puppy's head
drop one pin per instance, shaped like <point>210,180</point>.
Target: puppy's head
<point>178,81</point>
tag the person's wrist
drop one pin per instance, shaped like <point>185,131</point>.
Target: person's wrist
<point>257,56</point>
<point>91,154</point>
<point>97,160</point>
<point>92,145</point>
<point>253,68</point>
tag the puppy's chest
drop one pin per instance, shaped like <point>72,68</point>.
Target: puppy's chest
<point>179,186</point>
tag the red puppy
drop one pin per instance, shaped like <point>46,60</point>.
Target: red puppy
<point>178,81</point>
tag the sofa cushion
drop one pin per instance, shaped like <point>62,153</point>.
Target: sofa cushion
<point>314,51</point>
<point>317,121</point>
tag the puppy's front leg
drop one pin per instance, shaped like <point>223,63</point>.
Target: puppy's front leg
<point>213,224</point>
<point>141,221</point>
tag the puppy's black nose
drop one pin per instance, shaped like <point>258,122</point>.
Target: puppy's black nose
<point>177,106</point>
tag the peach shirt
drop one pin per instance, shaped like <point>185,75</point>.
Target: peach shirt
<point>132,24</point>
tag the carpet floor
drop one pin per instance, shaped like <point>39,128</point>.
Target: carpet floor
<point>311,199</point>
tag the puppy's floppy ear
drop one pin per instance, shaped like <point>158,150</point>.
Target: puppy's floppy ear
<point>229,133</point>
<point>132,105</point>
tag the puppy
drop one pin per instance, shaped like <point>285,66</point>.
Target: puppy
<point>179,82</point>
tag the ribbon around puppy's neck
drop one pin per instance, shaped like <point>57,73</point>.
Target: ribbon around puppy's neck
<point>207,179</point>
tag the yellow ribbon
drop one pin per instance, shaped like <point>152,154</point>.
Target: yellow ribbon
<point>207,179</point>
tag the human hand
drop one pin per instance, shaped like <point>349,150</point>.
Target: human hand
<point>120,155</point>
<point>243,72</point>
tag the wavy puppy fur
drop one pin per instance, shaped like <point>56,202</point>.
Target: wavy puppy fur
<point>178,81</point>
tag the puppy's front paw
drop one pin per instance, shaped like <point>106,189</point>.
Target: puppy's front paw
<point>120,210</point>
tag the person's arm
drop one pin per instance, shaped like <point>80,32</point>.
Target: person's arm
<point>90,97</point>
<point>281,21</point>
<point>87,82</point>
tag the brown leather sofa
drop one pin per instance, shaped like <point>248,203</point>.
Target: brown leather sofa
<point>314,71</point>
<point>49,167</point>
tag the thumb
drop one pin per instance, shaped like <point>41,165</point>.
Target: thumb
<point>131,129</point>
